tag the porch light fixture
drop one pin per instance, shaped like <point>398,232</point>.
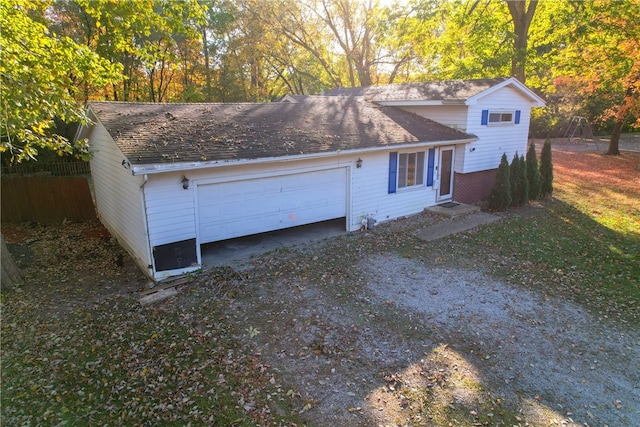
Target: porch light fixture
<point>359,163</point>
<point>185,182</point>
<point>126,164</point>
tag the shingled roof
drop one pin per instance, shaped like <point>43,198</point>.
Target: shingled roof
<point>151,133</point>
<point>452,90</point>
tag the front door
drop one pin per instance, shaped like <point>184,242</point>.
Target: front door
<point>445,174</point>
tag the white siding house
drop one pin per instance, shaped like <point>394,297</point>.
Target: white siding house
<point>496,111</point>
<point>169,178</point>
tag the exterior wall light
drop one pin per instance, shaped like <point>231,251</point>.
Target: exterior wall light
<point>359,163</point>
<point>185,182</point>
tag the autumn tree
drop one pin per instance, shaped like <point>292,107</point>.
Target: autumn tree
<point>601,61</point>
<point>38,69</point>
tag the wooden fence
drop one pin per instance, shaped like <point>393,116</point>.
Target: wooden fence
<point>46,199</point>
<point>55,169</point>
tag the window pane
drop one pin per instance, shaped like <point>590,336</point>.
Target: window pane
<point>494,117</point>
<point>411,170</point>
<point>507,117</point>
<point>402,170</point>
<point>420,169</point>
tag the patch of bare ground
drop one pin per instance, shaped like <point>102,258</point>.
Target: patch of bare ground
<point>370,329</point>
<point>387,340</point>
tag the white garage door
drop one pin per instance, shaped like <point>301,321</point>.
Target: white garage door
<point>240,208</point>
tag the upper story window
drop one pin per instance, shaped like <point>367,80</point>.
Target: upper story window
<point>500,117</point>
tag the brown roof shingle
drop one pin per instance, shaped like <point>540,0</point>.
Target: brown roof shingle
<point>149,133</point>
<point>427,91</point>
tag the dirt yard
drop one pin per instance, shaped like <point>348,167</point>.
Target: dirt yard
<point>359,335</point>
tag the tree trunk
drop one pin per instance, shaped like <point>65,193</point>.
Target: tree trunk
<point>11,275</point>
<point>522,17</point>
<point>207,67</point>
<point>615,138</point>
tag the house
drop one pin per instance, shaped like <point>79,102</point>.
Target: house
<point>497,111</point>
<point>169,178</point>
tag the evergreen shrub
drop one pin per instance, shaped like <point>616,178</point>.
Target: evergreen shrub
<point>533,173</point>
<point>500,197</point>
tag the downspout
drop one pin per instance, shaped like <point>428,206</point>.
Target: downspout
<point>145,179</point>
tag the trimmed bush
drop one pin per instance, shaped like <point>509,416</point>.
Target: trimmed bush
<point>524,180</point>
<point>500,197</point>
<point>546,170</point>
<point>533,173</point>
<point>519,187</point>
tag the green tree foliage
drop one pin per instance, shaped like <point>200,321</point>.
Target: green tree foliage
<point>524,180</point>
<point>41,72</point>
<point>522,12</point>
<point>579,55</point>
<point>533,173</point>
<point>546,170</point>
<point>500,197</point>
<point>518,181</point>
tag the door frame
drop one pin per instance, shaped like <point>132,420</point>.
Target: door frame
<point>449,195</point>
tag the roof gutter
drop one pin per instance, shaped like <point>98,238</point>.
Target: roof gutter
<point>420,103</point>
<point>155,168</point>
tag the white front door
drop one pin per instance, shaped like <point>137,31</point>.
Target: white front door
<point>445,173</point>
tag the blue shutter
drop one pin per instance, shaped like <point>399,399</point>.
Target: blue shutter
<point>485,117</point>
<point>517,121</point>
<point>430,163</point>
<point>393,171</point>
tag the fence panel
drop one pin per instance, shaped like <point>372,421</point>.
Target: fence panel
<point>46,199</point>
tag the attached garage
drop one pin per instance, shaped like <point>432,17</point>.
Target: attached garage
<point>238,208</point>
<point>170,178</point>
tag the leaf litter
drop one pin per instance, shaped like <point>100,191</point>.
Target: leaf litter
<point>373,328</point>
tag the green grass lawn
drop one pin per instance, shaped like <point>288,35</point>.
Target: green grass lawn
<point>583,243</point>
<point>115,363</point>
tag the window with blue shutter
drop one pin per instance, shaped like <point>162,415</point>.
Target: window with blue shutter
<point>500,117</point>
<point>393,171</point>
<point>430,166</point>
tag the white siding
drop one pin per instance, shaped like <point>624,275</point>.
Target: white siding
<point>494,140</point>
<point>454,116</point>
<point>370,193</point>
<point>170,209</point>
<point>119,200</point>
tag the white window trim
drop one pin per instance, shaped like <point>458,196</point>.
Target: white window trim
<point>502,123</point>
<point>424,172</point>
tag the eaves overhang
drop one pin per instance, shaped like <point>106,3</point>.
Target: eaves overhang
<point>536,101</point>
<point>421,103</point>
<point>157,168</point>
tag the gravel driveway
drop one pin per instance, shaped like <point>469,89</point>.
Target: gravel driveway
<point>407,337</point>
<point>531,345</point>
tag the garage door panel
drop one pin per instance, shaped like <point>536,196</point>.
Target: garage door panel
<point>239,208</point>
